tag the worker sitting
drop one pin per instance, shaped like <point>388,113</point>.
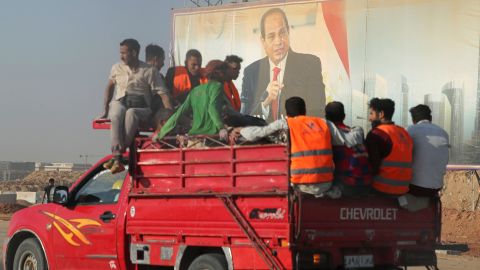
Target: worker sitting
<point>430,159</point>
<point>205,102</point>
<point>389,150</point>
<point>311,139</point>
<point>352,170</point>
<point>182,79</point>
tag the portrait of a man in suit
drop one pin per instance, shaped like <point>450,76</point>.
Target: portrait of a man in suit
<point>282,74</point>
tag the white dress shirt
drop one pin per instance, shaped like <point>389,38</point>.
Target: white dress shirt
<point>281,66</point>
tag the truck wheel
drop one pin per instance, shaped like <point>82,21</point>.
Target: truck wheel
<point>210,261</point>
<point>29,256</point>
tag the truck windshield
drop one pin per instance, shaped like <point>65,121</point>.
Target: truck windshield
<point>102,187</point>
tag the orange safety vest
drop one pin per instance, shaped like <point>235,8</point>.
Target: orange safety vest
<point>311,158</point>
<point>181,81</point>
<point>232,94</point>
<point>395,172</point>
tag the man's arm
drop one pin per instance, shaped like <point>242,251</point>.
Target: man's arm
<point>378,146</point>
<point>106,99</point>
<point>172,121</point>
<point>315,88</point>
<point>256,133</point>
<point>157,85</point>
<point>337,136</point>
<point>169,78</point>
<point>166,101</point>
<point>215,105</point>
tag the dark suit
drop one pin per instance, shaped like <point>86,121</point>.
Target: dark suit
<point>302,77</point>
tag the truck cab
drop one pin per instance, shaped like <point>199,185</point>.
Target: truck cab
<point>75,232</point>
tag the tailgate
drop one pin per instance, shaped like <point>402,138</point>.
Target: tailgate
<point>373,220</point>
<point>366,230</point>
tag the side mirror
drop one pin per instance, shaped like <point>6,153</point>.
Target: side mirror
<point>60,195</point>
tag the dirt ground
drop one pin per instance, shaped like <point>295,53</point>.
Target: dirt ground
<point>461,214</point>
<point>461,191</point>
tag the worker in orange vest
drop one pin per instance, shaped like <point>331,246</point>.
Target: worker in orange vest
<point>182,79</point>
<point>389,150</point>
<point>311,140</point>
<point>231,92</point>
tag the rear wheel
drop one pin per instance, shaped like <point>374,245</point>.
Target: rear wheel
<point>210,261</point>
<point>29,256</point>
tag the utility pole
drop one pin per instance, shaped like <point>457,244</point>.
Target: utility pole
<point>85,159</point>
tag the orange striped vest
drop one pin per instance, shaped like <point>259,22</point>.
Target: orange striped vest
<point>181,82</point>
<point>311,158</point>
<point>395,172</point>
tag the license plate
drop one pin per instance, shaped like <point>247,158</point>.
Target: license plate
<point>356,261</point>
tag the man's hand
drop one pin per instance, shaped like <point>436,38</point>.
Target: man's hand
<point>273,90</point>
<point>234,134</point>
<point>182,140</point>
<point>103,115</point>
<point>223,134</point>
<point>155,138</point>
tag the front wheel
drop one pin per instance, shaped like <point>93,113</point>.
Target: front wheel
<point>29,256</point>
<point>210,261</point>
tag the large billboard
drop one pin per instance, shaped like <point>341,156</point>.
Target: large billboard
<point>412,51</point>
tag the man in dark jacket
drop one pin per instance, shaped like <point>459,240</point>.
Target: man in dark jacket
<point>282,74</point>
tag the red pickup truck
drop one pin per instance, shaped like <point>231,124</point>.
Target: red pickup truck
<point>217,207</point>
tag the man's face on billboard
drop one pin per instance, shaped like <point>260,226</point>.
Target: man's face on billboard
<point>276,41</point>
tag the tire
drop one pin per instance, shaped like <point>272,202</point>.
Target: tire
<point>209,261</point>
<point>29,256</point>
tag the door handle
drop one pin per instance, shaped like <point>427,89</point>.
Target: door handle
<point>107,216</point>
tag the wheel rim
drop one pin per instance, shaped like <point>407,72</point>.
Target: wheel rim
<point>28,262</point>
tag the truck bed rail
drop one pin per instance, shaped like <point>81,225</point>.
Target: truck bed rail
<point>169,170</point>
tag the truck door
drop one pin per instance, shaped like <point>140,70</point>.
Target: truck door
<point>84,232</point>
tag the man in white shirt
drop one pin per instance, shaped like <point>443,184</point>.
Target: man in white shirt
<point>135,83</point>
<point>430,153</point>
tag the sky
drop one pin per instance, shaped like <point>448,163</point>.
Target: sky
<point>55,58</point>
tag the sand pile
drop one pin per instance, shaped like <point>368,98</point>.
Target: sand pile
<point>36,181</point>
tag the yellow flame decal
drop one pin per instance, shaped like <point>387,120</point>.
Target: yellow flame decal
<point>82,222</point>
<point>73,230</point>
<point>67,236</point>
